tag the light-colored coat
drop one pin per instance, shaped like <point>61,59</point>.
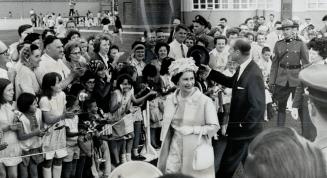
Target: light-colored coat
<point>199,111</point>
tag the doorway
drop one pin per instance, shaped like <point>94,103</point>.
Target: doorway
<point>286,9</point>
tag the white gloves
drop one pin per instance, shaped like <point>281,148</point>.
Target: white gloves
<point>187,130</point>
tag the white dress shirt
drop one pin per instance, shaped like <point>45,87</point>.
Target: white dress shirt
<point>243,66</point>
<point>48,64</point>
<point>176,50</point>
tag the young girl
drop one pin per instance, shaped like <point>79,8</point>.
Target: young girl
<point>8,166</point>
<point>52,105</point>
<point>227,96</point>
<point>121,142</point>
<point>70,161</point>
<point>265,66</point>
<point>101,162</point>
<point>29,134</point>
<point>102,86</point>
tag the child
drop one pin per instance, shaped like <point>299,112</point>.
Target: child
<point>70,161</point>
<point>265,65</point>
<point>51,23</point>
<point>52,105</point>
<point>122,141</point>
<point>61,30</point>
<point>102,86</point>
<point>101,162</point>
<point>105,22</point>
<point>29,134</point>
<point>227,96</point>
<point>7,125</point>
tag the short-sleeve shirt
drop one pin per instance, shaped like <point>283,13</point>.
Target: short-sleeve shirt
<point>56,105</point>
<point>48,65</point>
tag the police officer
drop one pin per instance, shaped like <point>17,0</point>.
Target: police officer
<point>317,93</point>
<point>199,29</point>
<point>290,55</point>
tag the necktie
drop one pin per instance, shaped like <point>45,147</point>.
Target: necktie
<point>236,74</point>
<point>183,52</point>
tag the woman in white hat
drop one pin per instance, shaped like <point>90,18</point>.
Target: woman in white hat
<point>188,113</point>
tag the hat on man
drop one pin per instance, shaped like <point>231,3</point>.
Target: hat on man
<point>287,24</point>
<point>314,76</point>
<point>200,20</point>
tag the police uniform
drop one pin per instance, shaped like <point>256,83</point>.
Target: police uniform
<point>314,78</point>
<point>290,56</point>
<point>202,21</point>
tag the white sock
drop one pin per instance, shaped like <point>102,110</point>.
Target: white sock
<point>46,172</point>
<point>56,171</point>
<point>128,157</point>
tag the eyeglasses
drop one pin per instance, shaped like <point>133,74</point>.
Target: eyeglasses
<point>76,53</point>
<point>6,53</point>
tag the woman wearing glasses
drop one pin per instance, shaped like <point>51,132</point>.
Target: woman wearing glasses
<point>73,54</point>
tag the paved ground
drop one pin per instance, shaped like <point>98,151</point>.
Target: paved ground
<point>9,36</point>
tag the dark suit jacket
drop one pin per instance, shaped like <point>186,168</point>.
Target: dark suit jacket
<point>96,56</point>
<point>248,101</point>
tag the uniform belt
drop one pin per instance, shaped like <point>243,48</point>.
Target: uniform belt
<point>290,66</point>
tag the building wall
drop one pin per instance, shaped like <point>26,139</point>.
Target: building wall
<point>22,8</point>
<point>300,10</point>
<point>148,12</point>
<point>234,17</point>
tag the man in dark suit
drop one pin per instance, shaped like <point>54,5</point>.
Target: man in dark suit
<point>247,106</point>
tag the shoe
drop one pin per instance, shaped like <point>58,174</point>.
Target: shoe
<point>138,157</point>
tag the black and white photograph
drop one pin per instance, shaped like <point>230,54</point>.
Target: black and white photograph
<point>163,88</point>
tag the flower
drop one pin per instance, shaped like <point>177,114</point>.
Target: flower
<point>182,65</point>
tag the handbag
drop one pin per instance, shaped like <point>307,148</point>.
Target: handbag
<point>203,156</point>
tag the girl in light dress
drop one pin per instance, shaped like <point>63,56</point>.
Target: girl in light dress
<point>8,166</point>
<point>122,140</point>
<point>265,65</point>
<point>52,105</point>
<point>30,134</point>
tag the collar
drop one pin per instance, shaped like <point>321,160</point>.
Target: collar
<point>49,57</point>
<point>245,63</point>
<point>177,42</point>
<point>104,57</point>
<point>289,40</point>
<point>135,61</point>
<point>194,98</point>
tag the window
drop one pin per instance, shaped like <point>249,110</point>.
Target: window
<point>234,4</point>
<point>317,4</point>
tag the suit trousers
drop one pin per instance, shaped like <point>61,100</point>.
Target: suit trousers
<point>282,93</point>
<point>218,149</point>
<point>236,152</point>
